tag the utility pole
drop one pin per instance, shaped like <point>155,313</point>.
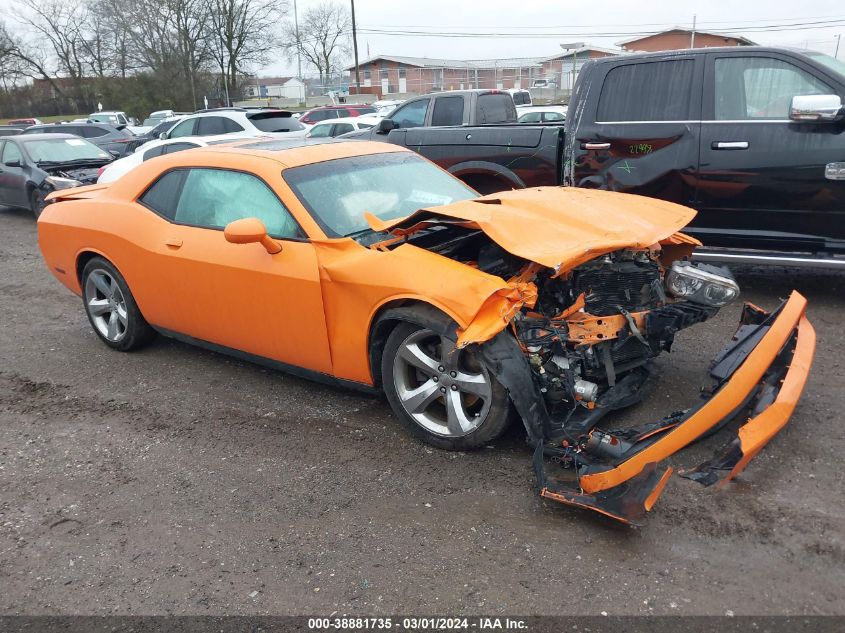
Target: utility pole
<point>692,35</point>
<point>298,52</point>
<point>355,48</point>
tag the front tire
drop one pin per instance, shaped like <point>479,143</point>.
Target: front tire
<point>444,396</point>
<point>111,308</point>
<point>37,202</point>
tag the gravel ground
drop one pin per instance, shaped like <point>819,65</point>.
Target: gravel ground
<point>175,480</point>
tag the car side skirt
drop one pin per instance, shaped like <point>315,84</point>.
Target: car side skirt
<point>270,363</point>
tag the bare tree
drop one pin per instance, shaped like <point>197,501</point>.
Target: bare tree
<point>58,25</point>
<point>242,35</point>
<point>324,36</point>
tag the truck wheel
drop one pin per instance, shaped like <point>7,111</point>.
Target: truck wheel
<point>111,308</point>
<point>444,396</point>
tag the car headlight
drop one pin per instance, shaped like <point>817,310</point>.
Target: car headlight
<point>701,283</point>
<point>62,183</point>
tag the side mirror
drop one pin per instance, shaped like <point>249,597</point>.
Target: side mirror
<point>163,136</point>
<point>385,125</point>
<point>12,163</point>
<point>250,231</point>
<point>816,108</point>
<point>114,153</point>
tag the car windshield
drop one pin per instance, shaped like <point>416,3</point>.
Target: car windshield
<point>389,185</point>
<point>62,150</point>
<point>275,122</point>
<point>830,62</point>
<point>152,121</point>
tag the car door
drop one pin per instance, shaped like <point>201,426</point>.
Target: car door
<point>638,129</point>
<point>12,177</point>
<point>237,296</point>
<point>762,176</point>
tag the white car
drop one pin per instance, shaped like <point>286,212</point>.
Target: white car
<point>542,114</point>
<point>112,117</point>
<point>251,122</point>
<point>386,106</point>
<point>118,168</point>
<point>336,127</point>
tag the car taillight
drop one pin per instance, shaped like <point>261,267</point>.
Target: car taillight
<point>100,171</point>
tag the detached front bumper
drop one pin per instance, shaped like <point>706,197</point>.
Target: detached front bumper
<point>762,371</point>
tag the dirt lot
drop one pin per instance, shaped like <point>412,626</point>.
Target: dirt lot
<point>176,480</point>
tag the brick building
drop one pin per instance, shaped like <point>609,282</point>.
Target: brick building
<point>394,74</point>
<point>680,38</point>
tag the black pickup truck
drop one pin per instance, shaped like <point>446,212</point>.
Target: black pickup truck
<point>474,135</point>
<point>751,137</point>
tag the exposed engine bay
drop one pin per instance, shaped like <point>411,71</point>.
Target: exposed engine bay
<point>588,341</point>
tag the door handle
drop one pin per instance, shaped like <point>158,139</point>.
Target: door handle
<point>595,145</point>
<point>729,145</point>
<point>173,242</point>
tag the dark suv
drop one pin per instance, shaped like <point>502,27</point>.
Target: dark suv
<point>323,113</point>
<point>118,142</point>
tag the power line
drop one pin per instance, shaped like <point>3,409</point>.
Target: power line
<point>603,25</point>
<point>458,34</point>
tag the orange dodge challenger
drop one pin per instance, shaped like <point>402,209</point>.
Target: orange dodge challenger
<point>365,264</point>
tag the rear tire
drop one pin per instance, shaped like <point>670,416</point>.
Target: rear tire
<point>111,308</point>
<point>444,396</point>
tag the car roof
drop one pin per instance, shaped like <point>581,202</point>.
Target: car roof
<point>302,151</point>
<point>46,136</point>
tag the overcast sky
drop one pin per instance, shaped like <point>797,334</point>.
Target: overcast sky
<point>572,21</point>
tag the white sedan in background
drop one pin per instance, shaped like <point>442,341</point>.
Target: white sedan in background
<point>336,127</point>
<point>118,168</point>
<point>542,114</point>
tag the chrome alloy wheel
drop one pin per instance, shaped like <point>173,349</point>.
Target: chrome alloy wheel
<point>106,305</point>
<point>445,390</point>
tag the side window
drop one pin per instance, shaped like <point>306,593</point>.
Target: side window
<point>530,117</point>
<point>321,131</point>
<point>342,112</point>
<point>172,148</point>
<point>650,91</point>
<point>11,153</point>
<point>93,131</point>
<point>319,115</point>
<point>760,87</point>
<point>495,107</point>
<point>448,111</point>
<point>212,198</point>
<point>155,151</point>
<point>215,125</point>
<point>163,195</point>
<point>210,125</point>
<point>185,128</point>
<point>553,116</point>
<point>342,128</point>
<point>411,115</point>
<point>230,126</point>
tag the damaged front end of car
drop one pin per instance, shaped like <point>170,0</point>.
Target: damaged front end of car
<point>573,333</point>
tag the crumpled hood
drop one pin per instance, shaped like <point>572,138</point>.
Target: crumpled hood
<point>85,174</point>
<point>557,227</point>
